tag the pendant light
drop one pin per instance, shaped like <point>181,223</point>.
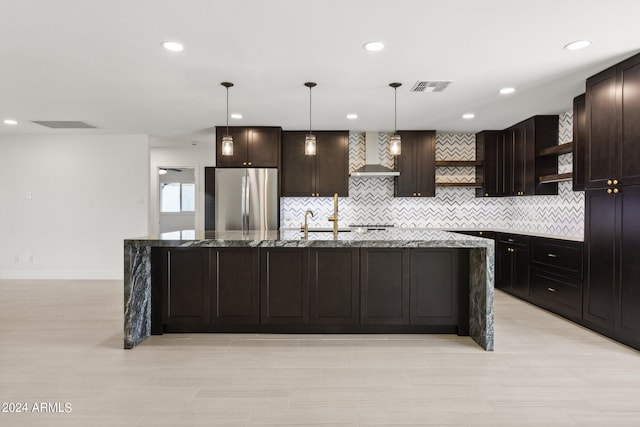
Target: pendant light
<point>396,147</point>
<point>227,140</point>
<point>310,139</point>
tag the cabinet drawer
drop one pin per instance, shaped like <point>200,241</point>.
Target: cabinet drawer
<point>514,239</point>
<point>557,293</point>
<point>558,256</point>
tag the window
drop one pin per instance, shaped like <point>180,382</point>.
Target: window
<point>177,197</point>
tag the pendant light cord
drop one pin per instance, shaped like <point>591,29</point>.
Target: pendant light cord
<point>395,110</point>
<point>227,110</point>
<point>310,111</point>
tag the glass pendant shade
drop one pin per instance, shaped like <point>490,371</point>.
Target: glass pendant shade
<point>310,145</point>
<point>396,147</point>
<point>227,145</point>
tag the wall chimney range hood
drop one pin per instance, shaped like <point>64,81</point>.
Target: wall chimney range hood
<point>372,167</point>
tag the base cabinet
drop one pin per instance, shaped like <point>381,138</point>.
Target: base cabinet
<point>512,264</point>
<point>284,292</point>
<point>235,286</point>
<point>334,286</point>
<point>384,287</point>
<point>436,279</point>
<point>185,286</point>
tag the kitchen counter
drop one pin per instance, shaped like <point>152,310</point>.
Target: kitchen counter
<point>137,263</point>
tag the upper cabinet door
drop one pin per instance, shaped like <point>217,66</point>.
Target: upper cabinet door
<point>416,164</point>
<point>579,141</point>
<point>601,130</point>
<point>628,78</point>
<point>406,183</point>
<point>426,164</point>
<point>263,147</point>
<point>332,163</point>
<point>239,157</point>
<point>298,170</point>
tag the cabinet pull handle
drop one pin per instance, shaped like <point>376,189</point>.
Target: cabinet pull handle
<point>509,240</point>
<point>615,182</point>
<point>419,194</point>
<point>609,182</point>
<point>616,191</point>
<point>552,255</point>
<point>249,163</point>
<point>551,289</point>
<point>609,191</point>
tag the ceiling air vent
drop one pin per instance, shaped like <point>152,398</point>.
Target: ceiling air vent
<point>64,124</point>
<point>431,85</point>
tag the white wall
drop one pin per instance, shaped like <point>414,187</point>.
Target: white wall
<point>179,154</point>
<point>88,193</point>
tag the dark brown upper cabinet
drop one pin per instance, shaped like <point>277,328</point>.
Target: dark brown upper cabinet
<point>510,166</point>
<point>579,141</point>
<point>416,164</point>
<point>321,175</point>
<point>613,129</point>
<point>256,147</point>
<point>490,150</point>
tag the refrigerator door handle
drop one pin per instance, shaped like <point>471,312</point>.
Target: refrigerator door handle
<point>245,202</point>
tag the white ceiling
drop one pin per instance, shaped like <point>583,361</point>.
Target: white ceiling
<point>101,61</point>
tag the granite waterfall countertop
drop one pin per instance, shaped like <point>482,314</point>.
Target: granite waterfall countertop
<point>410,238</point>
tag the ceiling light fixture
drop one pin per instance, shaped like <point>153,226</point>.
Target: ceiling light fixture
<point>173,46</point>
<point>578,44</point>
<point>236,116</point>
<point>507,90</point>
<point>396,143</point>
<point>227,140</point>
<point>10,122</point>
<point>310,139</point>
<point>352,116</point>
<point>162,171</point>
<point>373,46</point>
<point>468,116</point>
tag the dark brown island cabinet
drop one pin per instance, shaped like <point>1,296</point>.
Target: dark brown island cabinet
<point>510,165</point>
<point>256,147</point>
<point>416,164</point>
<point>321,175</point>
<point>200,287</point>
<point>612,215</point>
<point>313,290</point>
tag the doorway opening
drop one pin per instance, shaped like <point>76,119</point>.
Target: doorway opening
<point>177,199</point>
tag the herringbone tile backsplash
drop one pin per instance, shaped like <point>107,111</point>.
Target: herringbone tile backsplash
<point>371,200</point>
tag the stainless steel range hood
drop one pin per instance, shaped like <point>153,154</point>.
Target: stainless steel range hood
<point>372,167</point>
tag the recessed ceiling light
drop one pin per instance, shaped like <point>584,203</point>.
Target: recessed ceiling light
<point>468,116</point>
<point>507,90</point>
<point>352,116</point>
<point>162,171</point>
<point>173,46</point>
<point>10,122</point>
<point>578,44</point>
<point>236,116</point>
<point>373,46</point>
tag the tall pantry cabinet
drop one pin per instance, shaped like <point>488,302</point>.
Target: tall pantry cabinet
<point>611,299</point>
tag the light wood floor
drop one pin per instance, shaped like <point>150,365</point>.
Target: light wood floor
<point>61,342</point>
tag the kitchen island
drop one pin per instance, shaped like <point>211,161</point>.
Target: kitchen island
<point>393,281</point>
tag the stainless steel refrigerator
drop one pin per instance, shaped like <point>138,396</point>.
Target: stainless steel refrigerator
<point>246,199</point>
